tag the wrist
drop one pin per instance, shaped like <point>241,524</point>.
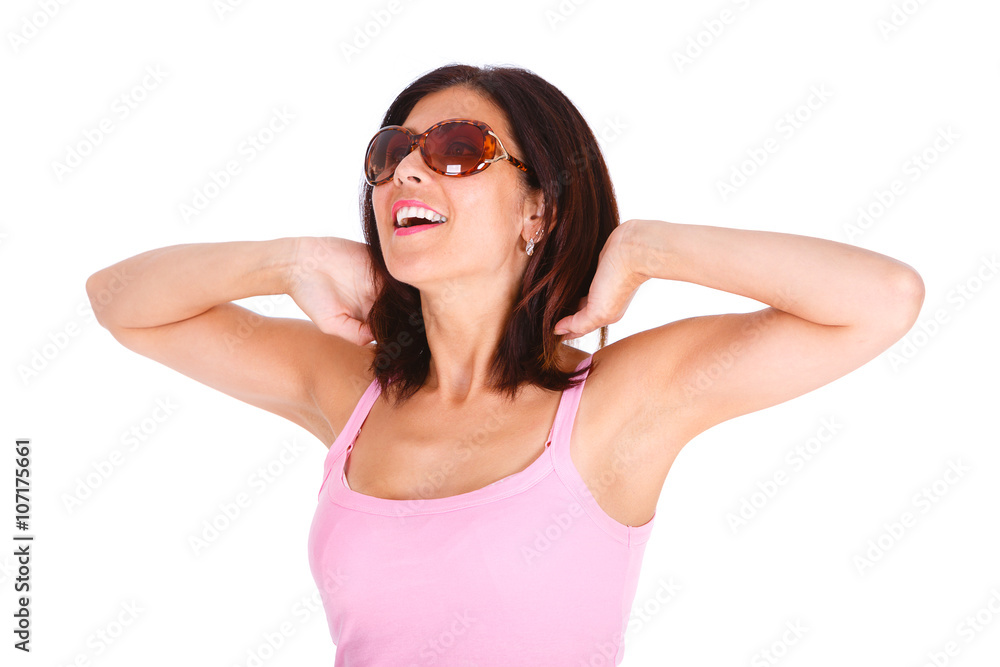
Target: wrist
<point>282,261</point>
<point>647,249</point>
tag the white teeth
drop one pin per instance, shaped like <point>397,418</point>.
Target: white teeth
<point>418,212</point>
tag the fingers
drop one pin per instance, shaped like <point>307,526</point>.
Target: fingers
<point>357,331</point>
<point>365,335</point>
<point>348,328</point>
<point>574,327</point>
<point>564,326</point>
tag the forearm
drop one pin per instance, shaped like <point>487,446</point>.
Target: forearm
<point>177,282</point>
<point>818,280</point>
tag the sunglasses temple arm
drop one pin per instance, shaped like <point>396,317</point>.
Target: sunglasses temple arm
<point>506,156</point>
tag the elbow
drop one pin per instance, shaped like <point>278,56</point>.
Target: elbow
<point>906,298</point>
<point>100,295</point>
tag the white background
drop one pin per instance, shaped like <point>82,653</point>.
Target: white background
<point>71,388</point>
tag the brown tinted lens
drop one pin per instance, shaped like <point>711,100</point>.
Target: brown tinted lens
<point>454,148</point>
<point>385,154</point>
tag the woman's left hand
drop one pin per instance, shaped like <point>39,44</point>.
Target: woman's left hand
<point>611,291</point>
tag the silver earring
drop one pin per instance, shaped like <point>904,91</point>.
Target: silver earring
<point>531,243</point>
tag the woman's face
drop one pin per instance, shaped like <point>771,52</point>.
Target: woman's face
<point>485,212</point>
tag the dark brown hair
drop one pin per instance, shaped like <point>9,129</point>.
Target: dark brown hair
<point>581,212</point>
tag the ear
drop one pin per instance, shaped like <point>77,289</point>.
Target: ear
<point>533,213</point>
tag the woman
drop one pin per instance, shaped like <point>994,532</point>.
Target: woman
<point>489,490</point>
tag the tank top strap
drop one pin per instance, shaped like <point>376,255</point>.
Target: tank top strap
<point>569,402</point>
<point>350,431</point>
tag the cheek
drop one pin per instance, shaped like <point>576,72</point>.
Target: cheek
<point>486,240</point>
<point>379,201</point>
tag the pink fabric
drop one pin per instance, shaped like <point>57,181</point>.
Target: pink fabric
<point>527,570</point>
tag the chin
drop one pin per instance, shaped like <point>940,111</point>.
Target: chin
<point>417,272</point>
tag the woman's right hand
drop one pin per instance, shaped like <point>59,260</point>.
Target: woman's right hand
<point>330,280</point>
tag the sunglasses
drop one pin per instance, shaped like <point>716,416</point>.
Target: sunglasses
<point>452,147</point>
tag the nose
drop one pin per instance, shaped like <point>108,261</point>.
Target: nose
<point>411,166</point>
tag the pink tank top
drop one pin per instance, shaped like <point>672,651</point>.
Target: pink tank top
<point>526,570</point>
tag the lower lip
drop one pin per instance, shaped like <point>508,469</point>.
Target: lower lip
<point>406,231</point>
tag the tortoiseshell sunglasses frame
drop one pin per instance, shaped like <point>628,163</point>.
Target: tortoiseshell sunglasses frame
<point>490,142</point>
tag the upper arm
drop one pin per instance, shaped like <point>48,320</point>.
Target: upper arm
<point>701,371</point>
<point>272,363</point>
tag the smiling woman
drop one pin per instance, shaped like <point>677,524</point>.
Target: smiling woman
<point>439,498</point>
<point>423,515</point>
<point>489,490</point>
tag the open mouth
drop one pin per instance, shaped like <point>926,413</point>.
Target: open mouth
<point>410,222</point>
<point>411,216</point>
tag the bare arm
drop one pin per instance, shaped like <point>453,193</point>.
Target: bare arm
<point>175,283</point>
<point>173,305</point>
<point>832,308</point>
